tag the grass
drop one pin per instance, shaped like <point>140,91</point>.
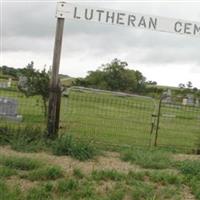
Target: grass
<point>147,158</point>
<point>28,139</point>
<point>6,172</point>
<point>45,173</point>
<point>20,163</point>
<point>107,175</point>
<point>52,182</point>
<point>67,145</point>
<point>67,185</point>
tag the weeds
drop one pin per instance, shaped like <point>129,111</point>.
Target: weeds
<point>78,173</point>
<point>38,193</point>
<point>45,173</point>
<point>21,163</point>
<point>67,145</point>
<point>153,159</point>
<point>10,193</point>
<point>28,139</point>
<point>67,185</point>
<point>191,170</point>
<point>107,175</point>
<point>6,172</point>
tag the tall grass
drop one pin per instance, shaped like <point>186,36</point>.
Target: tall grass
<point>67,145</point>
<point>148,158</point>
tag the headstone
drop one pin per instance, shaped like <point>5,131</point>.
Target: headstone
<point>9,82</point>
<point>22,83</point>
<point>6,84</point>
<point>185,101</point>
<point>168,98</point>
<point>197,102</point>
<point>190,100</point>
<point>8,109</point>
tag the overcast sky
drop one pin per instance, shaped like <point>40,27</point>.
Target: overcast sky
<point>28,29</point>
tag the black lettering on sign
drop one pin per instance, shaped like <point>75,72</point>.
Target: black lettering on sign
<point>75,13</point>
<point>108,16</point>
<point>100,12</point>
<point>131,20</point>
<point>187,28</point>
<point>153,23</point>
<point>196,29</point>
<point>90,15</point>
<point>178,27</point>
<point>120,18</point>
<point>142,22</point>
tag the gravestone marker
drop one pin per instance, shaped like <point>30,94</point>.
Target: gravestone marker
<point>168,96</point>
<point>8,109</point>
<point>6,84</point>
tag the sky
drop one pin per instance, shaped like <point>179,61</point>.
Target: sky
<point>28,31</point>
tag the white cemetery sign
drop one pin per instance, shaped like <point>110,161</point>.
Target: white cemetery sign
<point>127,19</point>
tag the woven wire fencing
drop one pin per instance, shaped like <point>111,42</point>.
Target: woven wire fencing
<point>110,118</point>
<point>17,110</point>
<point>179,125</point>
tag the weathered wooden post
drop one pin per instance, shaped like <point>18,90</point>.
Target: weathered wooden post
<point>54,98</point>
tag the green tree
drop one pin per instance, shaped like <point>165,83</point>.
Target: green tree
<point>114,76</point>
<point>34,82</point>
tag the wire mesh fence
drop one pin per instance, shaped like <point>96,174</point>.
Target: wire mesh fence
<point>17,110</point>
<point>110,118</point>
<point>179,125</point>
<point>107,117</point>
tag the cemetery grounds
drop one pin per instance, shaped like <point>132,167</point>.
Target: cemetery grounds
<point>105,151</point>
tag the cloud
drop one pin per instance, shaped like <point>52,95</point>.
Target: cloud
<point>29,28</point>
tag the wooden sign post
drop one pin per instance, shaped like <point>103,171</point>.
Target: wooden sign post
<point>55,91</point>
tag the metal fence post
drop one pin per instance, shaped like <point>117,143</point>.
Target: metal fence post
<point>158,121</point>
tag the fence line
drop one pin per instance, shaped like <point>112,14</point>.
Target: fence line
<point>112,118</point>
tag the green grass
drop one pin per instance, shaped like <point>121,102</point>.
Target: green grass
<point>45,173</point>
<point>39,193</point>
<point>20,163</point>
<point>6,172</point>
<point>67,185</point>
<point>147,158</point>
<point>67,145</point>
<point>107,175</point>
<point>10,193</point>
<point>53,183</point>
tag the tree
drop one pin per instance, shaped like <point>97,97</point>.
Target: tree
<point>181,85</point>
<point>189,85</point>
<point>34,82</point>
<point>114,76</point>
